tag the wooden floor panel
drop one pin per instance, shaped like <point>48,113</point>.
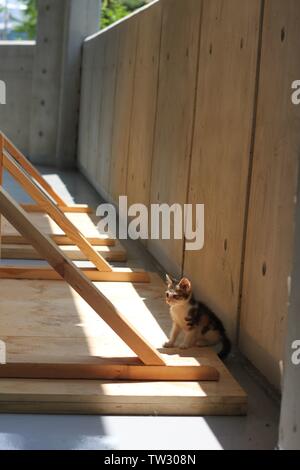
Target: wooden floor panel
<point>27,252</point>
<point>87,223</point>
<point>46,321</point>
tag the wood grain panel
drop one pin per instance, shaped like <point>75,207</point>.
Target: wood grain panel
<point>144,106</point>
<point>175,114</point>
<point>106,124</point>
<point>75,333</point>
<point>273,190</point>
<point>123,107</point>
<point>159,120</point>
<point>78,281</point>
<point>85,103</point>
<point>97,90</point>
<point>221,150</point>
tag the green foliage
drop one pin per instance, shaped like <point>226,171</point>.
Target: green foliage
<point>28,26</point>
<point>134,4</point>
<point>114,10</point>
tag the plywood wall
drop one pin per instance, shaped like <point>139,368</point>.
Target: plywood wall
<point>221,149</point>
<point>273,191</point>
<point>123,108</point>
<point>97,109</point>
<point>105,126</point>
<point>189,102</point>
<point>95,105</point>
<point>175,117</point>
<point>85,103</point>
<point>144,106</point>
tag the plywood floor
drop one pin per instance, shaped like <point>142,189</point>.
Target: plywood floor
<point>41,220</point>
<point>13,246</point>
<point>46,321</point>
<point>27,252</point>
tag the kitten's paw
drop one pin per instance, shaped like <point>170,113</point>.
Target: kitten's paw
<point>183,346</point>
<point>168,344</point>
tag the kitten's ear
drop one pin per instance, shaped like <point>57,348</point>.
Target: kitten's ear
<point>185,284</point>
<point>169,280</point>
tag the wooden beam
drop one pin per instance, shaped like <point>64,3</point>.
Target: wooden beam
<point>59,217</point>
<point>59,240</point>
<point>78,281</point>
<point>110,370</point>
<point>48,273</point>
<point>73,208</point>
<point>31,170</point>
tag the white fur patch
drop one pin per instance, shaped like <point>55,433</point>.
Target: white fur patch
<point>179,313</point>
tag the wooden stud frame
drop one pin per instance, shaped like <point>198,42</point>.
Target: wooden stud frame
<point>149,364</point>
<point>35,174</point>
<point>112,369</point>
<point>40,273</point>
<point>19,173</point>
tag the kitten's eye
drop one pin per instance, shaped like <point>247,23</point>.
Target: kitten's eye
<point>176,297</point>
<point>167,295</point>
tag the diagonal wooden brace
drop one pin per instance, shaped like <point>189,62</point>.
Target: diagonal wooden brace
<point>78,281</point>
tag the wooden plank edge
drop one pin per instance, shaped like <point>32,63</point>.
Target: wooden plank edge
<point>73,208</point>
<point>59,240</point>
<point>27,166</point>
<point>35,192</point>
<point>120,407</point>
<point>27,252</point>
<point>80,283</point>
<point>186,373</point>
<point>40,273</point>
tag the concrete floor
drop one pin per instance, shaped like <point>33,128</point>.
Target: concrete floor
<point>259,430</point>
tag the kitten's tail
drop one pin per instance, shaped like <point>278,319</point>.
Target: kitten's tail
<point>226,346</point>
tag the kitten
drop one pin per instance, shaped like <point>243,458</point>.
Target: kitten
<point>200,325</point>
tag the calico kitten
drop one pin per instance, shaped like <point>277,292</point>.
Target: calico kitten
<point>200,325</point>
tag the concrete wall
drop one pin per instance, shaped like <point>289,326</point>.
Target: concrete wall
<point>81,20</point>
<point>46,82</point>
<point>16,65</point>
<point>62,27</point>
<point>43,82</point>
